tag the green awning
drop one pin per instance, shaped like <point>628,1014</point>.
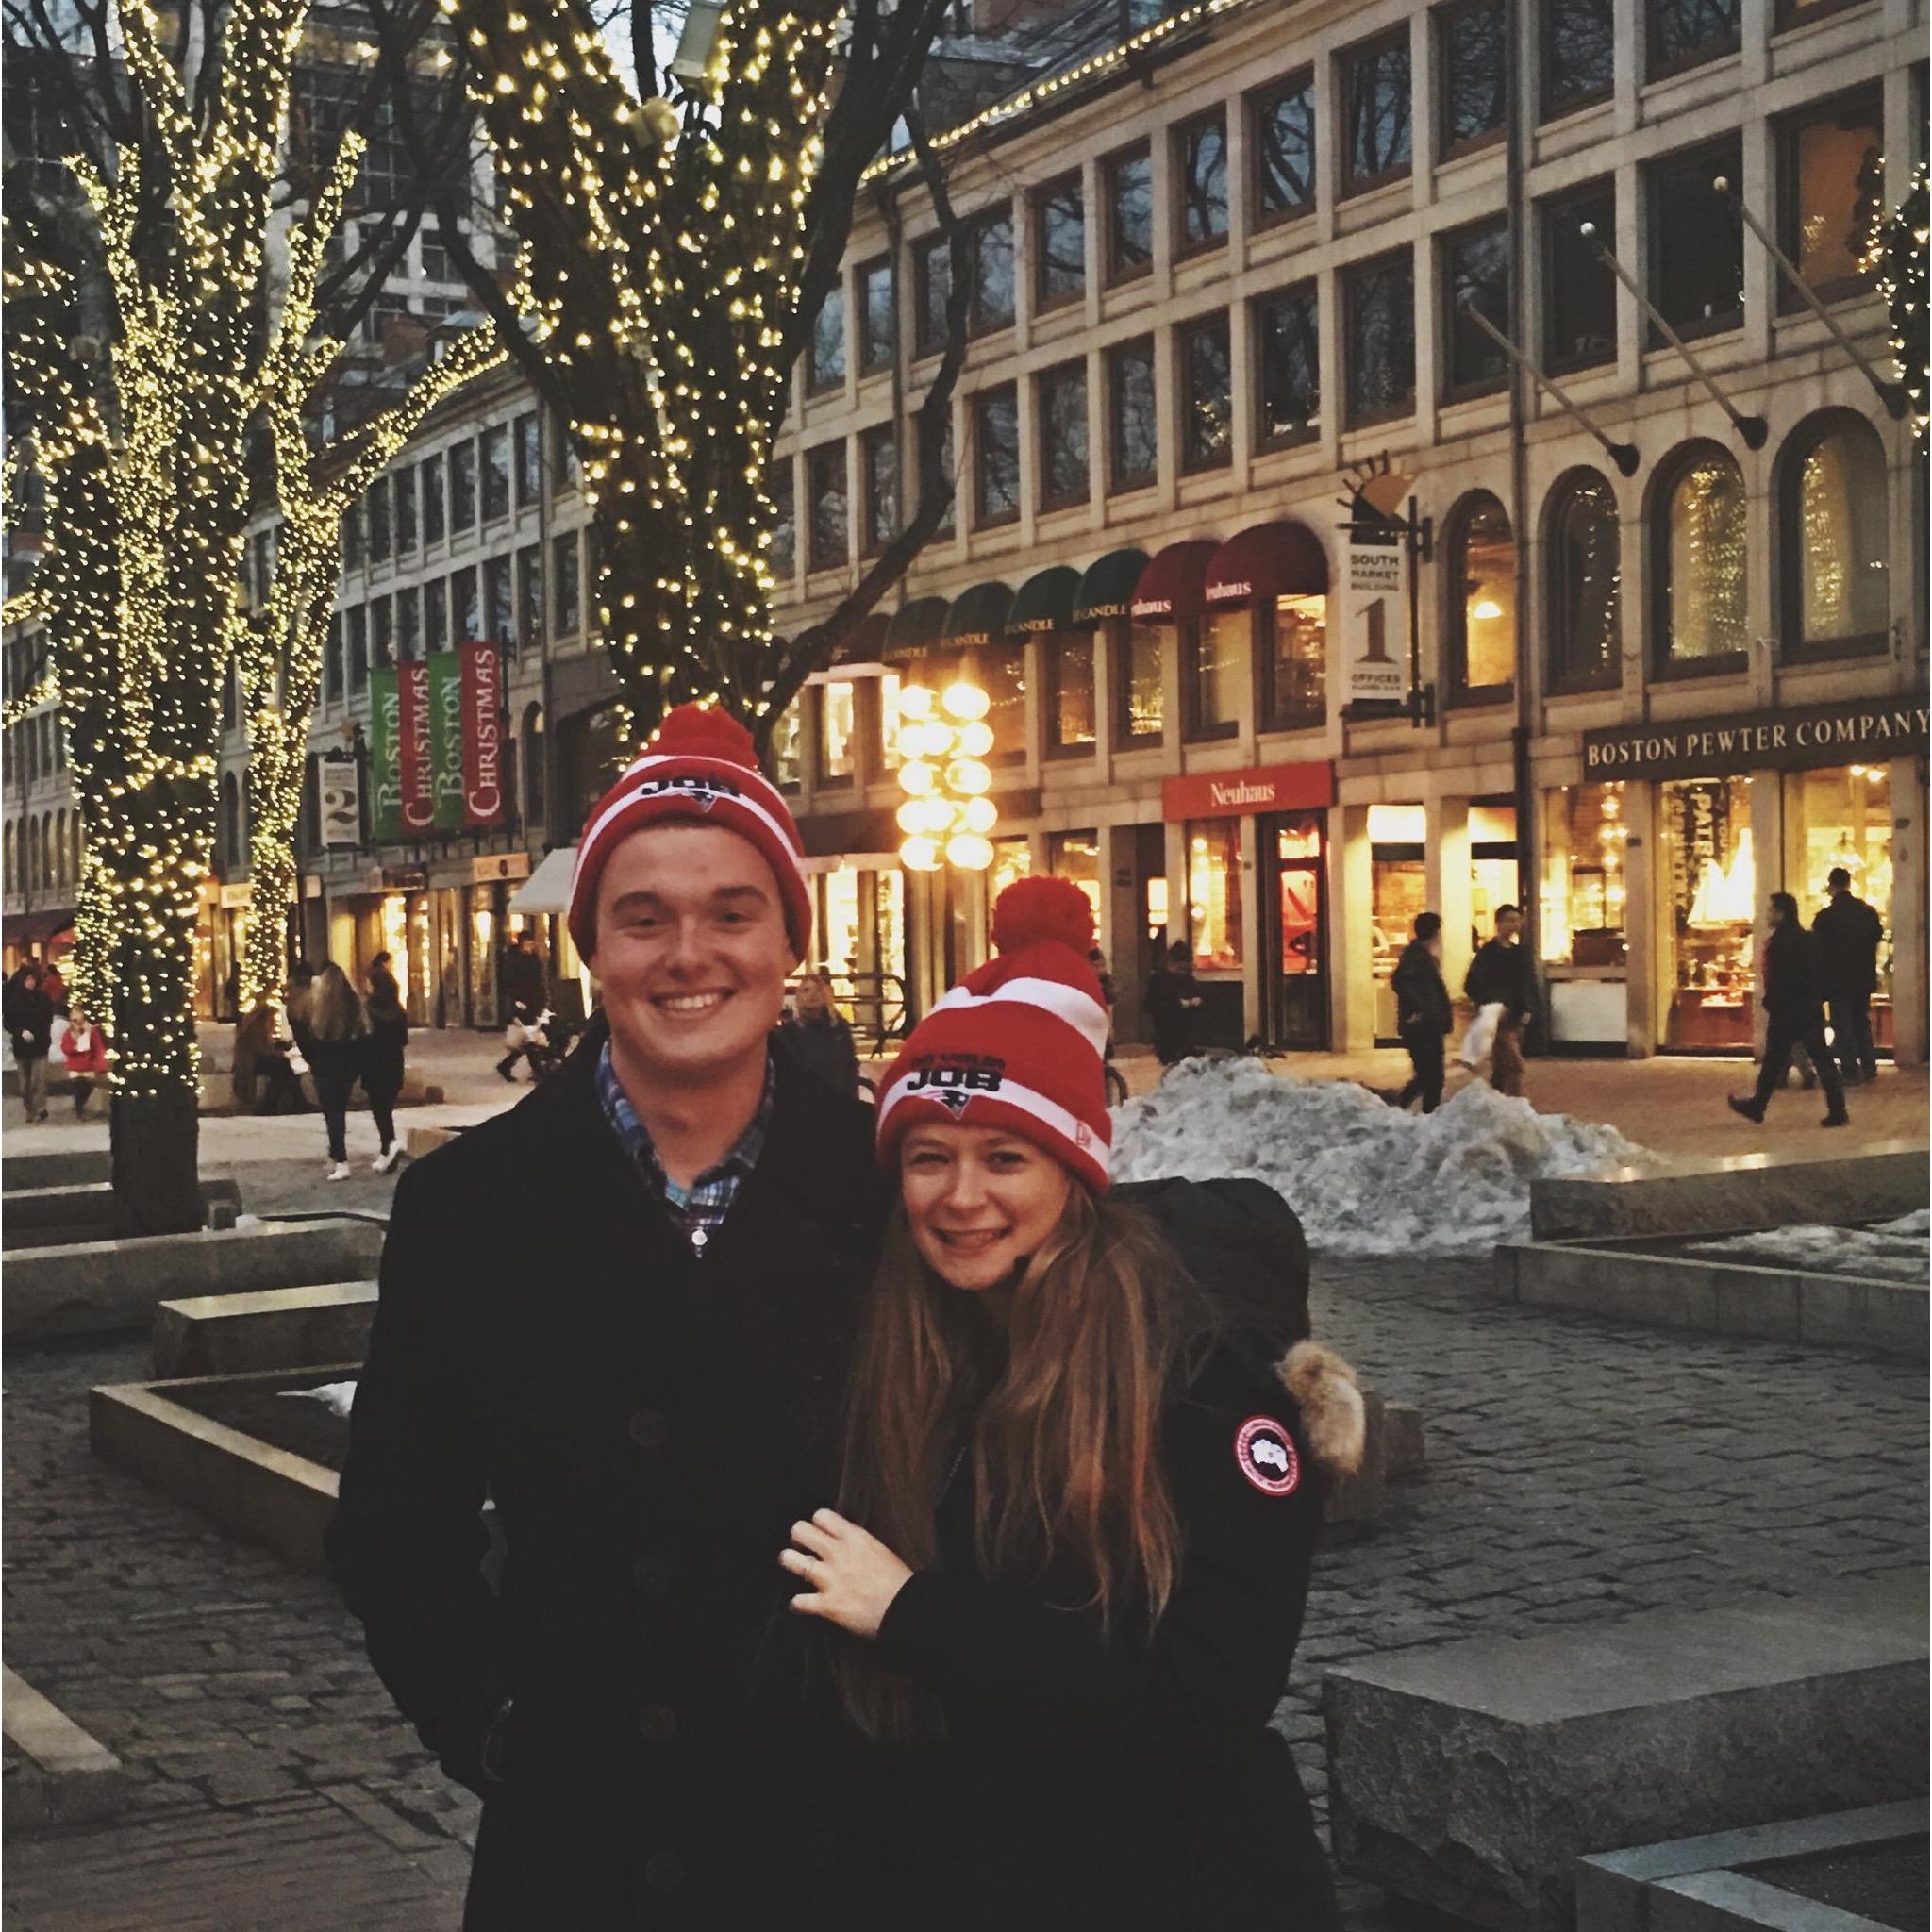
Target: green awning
<point>1045,601</point>
<point>1108,588</point>
<point>866,643</point>
<point>914,631</point>
<point>978,616</point>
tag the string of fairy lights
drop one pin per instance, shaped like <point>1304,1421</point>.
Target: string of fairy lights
<point>659,273</point>
<point>1899,258</point>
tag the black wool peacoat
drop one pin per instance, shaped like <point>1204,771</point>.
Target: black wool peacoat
<point>647,1425</point>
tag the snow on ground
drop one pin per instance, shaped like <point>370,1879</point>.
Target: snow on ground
<point>1364,1178</point>
<point>1898,1250</point>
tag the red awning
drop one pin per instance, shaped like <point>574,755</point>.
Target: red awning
<point>1281,559</point>
<point>1169,588</point>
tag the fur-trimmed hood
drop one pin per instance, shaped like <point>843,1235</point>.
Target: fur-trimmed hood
<point>1324,1391</point>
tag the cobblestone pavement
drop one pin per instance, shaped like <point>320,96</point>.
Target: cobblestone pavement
<point>1578,1470</point>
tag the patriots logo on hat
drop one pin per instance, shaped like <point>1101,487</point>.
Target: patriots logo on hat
<point>953,1099</point>
<point>700,787</point>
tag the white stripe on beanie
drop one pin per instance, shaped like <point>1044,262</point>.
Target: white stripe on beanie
<point>698,787</point>
<point>1060,998</point>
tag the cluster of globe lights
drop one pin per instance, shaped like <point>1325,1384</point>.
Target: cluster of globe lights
<point>944,740</point>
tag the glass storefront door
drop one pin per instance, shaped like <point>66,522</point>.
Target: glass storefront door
<point>1843,818</point>
<point>1297,926</point>
<point>1398,889</point>
<point>1710,876</point>
<point>1494,876</point>
<point>484,921</point>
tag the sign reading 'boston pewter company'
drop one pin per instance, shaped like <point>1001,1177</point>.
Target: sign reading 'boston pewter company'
<point>1843,733</point>
<point>1242,794</point>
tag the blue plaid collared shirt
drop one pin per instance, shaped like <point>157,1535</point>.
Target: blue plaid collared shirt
<point>700,1209</point>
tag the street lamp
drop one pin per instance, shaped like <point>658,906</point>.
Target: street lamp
<point>943,744</point>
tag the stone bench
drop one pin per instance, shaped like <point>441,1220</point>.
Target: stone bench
<point>56,1773</point>
<point>64,1168</point>
<point>267,1328</point>
<point>1738,1192</point>
<point>1469,1778</point>
<point>56,1214</point>
<point>113,1287</point>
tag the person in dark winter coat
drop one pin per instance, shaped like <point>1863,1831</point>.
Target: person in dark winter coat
<point>1794,1013</point>
<point>383,1057</point>
<point>1847,935</point>
<point>1072,1550</point>
<point>1499,974</point>
<point>521,988</point>
<point>29,1023</point>
<point>1423,1013</point>
<point>643,1377</point>
<point>1174,1003</point>
<point>820,1034</point>
<point>337,1033</point>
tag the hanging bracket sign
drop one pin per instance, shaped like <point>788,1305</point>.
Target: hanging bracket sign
<point>1374,617</point>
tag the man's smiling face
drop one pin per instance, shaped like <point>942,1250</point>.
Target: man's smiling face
<point>691,952</point>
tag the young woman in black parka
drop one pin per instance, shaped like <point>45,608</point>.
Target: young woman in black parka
<point>1072,1544</point>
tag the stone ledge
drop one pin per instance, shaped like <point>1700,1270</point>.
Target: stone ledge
<point>1472,1777</point>
<point>62,1168</point>
<point>63,1776</point>
<point>265,1329</point>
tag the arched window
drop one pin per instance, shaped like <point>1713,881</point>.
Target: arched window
<point>30,840</point>
<point>61,848</point>
<point>77,838</point>
<point>1700,540</point>
<point>536,796</point>
<point>49,874</point>
<point>1583,587</point>
<point>1833,537</point>
<point>1481,598</point>
<point>9,855</point>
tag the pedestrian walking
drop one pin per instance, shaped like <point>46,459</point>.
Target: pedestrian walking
<point>54,984</point>
<point>30,1021</point>
<point>1174,1007</point>
<point>383,1057</point>
<point>1423,1014</point>
<point>820,1034</point>
<point>622,1310</point>
<point>338,1031</point>
<point>1500,976</point>
<point>1848,933</point>
<point>520,980</point>
<point>1072,1550</point>
<point>83,1048</point>
<point>1794,1012</point>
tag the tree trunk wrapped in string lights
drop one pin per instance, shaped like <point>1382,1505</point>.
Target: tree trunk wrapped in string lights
<point>659,276</point>
<point>141,445</point>
<point>1899,254</point>
<point>282,643</point>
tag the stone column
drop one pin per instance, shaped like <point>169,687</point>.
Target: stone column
<point>1120,928</point>
<point>1257,945</point>
<point>1769,862</point>
<point>1351,947</point>
<point>1909,912</point>
<point>1646,920</point>
<point>1447,871</point>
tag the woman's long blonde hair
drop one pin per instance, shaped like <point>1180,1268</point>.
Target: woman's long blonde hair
<point>1061,1430</point>
<point>334,1010</point>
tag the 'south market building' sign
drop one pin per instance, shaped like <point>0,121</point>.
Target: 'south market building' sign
<point>1833,734</point>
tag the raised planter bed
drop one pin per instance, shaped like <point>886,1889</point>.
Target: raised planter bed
<point>274,1328</point>
<point>59,1214</point>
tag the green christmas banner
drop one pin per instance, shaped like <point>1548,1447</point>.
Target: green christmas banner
<point>385,764</point>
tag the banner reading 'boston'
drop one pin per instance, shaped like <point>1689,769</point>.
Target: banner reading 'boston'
<point>384,767</point>
<point>446,740</point>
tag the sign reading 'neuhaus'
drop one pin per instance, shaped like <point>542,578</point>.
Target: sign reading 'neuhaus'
<point>1240,795</point>
<point>1763,741</point>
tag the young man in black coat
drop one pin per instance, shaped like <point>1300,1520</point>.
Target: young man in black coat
<point>1423,1014</point>
<point>1499,974</point>
<point>642,1377</point>
<point>1847,934</point>
<point>1794,1015</point>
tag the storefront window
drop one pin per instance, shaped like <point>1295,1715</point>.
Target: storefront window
<point>1012,860</point>
<point>1712,879</point>
<point>483,956</point>
<point>1143,706</point>
<point>1076,856</point>
<point>1583,882</point>
<point>1214,893</point>
<point>787,739</point>
<point>396,941</point>
<point>1216,652</point>
<point>1398,889</point>
<point>888,721</point>
<point>1000,671</point>
<point>1844,815</point>
<point>1069,707</point>
<point>1298,663</point>
<point>1493,877</point>
<point>889,915</point>
<point>837,725</point>
<point>838,922</point>
<point>420,958</point>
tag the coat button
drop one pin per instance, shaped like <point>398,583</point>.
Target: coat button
<point>663,1871</point>
<point>648,1428</point>
<point>652,1575</point>
<point>659,1724</point>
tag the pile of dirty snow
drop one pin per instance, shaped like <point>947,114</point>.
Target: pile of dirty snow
<point>1365,1178</point>
<point>1898,1250</point>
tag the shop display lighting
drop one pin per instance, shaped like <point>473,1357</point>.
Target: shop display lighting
<point>942,743</point>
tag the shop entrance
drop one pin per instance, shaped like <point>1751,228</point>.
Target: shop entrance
<point>1711,874</point>
<point>1296,924</point>
<point>1398,889</point>
<point>1494,876</point>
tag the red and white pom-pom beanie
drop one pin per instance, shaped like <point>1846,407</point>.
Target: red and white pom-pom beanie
<point>1018,1044</point>
<point>700,765</point>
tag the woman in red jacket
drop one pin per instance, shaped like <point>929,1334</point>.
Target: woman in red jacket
<point>1073,1546</point>
<point>84,1047</point>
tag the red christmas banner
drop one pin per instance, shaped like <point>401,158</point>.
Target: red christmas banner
<point>414,757</point>
<point>482,736</point>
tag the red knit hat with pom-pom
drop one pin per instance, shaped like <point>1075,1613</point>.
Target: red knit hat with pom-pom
<point>701,766</point>
<point>1018,1044</point>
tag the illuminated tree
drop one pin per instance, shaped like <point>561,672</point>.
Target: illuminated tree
<point>1900,255</point>
<point>281,648</point>
<point>668,268</point>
